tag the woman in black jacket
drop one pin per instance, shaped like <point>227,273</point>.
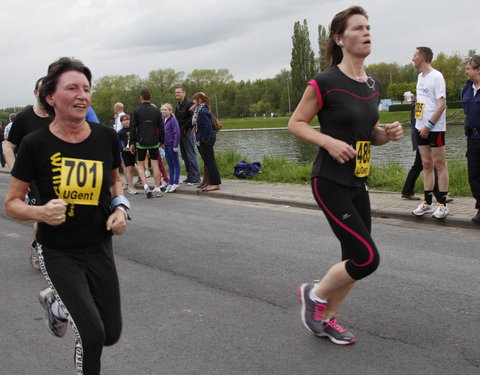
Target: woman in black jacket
<point>206,135</point>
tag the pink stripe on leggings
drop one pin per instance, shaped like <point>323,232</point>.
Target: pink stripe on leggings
<point>349,230</point>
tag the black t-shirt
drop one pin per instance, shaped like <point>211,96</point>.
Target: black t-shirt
<point>26,122</point>
<point>348,112</point>
<point>80,174</point>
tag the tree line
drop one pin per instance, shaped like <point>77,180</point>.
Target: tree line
<point>280,94</point>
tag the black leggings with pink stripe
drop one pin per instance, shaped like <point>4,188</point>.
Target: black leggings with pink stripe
<point>348,212</point>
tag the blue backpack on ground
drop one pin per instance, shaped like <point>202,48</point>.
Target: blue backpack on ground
<point>246,170</point>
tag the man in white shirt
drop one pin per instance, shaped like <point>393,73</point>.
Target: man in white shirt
<point>431,125</point>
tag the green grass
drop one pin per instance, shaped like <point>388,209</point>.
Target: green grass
<point>251,123</point>
<point>390,177</point>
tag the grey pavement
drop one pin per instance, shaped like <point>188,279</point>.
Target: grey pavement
<point>384,204</point>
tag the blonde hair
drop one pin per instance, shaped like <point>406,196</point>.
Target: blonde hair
<point>168,106</point>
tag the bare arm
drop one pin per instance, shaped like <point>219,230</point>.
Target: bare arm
<point>391,132</point>
<point>52,213</point>
<point>116,222</point>
<point>8,148</point>
<point>441,106</point>
<point>299,125</point>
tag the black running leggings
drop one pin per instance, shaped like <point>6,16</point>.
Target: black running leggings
<point>348,212</point>
<point>86,284</point>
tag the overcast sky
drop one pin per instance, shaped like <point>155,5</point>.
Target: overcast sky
<point>250,38</point>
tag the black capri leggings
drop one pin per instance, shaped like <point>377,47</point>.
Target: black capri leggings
<point>348,212</point>
<point>86,285</point>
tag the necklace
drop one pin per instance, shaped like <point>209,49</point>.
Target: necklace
<point>369,81</point>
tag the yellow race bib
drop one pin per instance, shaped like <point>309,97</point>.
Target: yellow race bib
<point>81,181</point>
<point>362,161</point>
<point>419,110</point>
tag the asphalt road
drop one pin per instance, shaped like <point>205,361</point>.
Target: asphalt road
<point>208,287</point>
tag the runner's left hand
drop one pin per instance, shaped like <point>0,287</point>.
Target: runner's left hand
<point>117,223</point>
<point>394,131</point>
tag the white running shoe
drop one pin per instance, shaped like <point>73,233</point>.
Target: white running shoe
<point>423,208</point>
<point>157,193</point>
<point>32,249</point>
<point>163,185</point>
<point>147,173</point>
<point>132,191</point>
<point>167,189</point>
<point>441,211</point>
<point>148,193</point>
<point>56,326</point>
<point>173,188</point>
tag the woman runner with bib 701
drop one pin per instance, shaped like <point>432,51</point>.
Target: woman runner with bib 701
<point>75,166</point>
<point>345,100</point>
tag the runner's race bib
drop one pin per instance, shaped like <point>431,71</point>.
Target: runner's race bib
<point>419,110</point>
<point>81,181</point>
<point>362,161</point>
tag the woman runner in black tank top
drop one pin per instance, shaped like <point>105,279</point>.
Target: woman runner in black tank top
<point>345,99</point>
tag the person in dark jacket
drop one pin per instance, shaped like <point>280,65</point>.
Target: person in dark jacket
<point>471,105</point>
<point>183,115</point>
<point>205,135</point>
<point>146,134</point>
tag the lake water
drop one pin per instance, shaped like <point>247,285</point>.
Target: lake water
<point>254,144</point>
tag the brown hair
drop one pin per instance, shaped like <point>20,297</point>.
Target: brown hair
<point>337,27</point>
<point>204,98</point>
<point>124,117</point>
<point>55,70</point>
<point>426,53</point>
<point>145,94</point>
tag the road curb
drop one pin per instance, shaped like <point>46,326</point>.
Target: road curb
<point>451,221</point>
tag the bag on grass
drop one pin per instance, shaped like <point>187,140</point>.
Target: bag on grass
<point>246,170</point>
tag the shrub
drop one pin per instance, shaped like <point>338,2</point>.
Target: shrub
<point>399,107</point>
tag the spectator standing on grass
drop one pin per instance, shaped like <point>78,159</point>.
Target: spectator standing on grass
<point>431,125</point>
<point>471,107</point>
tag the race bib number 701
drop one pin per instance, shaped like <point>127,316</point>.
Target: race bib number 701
<point>81,181</point>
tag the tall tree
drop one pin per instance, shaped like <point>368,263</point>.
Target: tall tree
<point>161,83</point>
<point>302,62</point>
<point>322,47</point>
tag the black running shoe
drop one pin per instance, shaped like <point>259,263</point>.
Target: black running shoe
<point>336,333</point>
<point>56,326</point>
<point>312,311</point>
